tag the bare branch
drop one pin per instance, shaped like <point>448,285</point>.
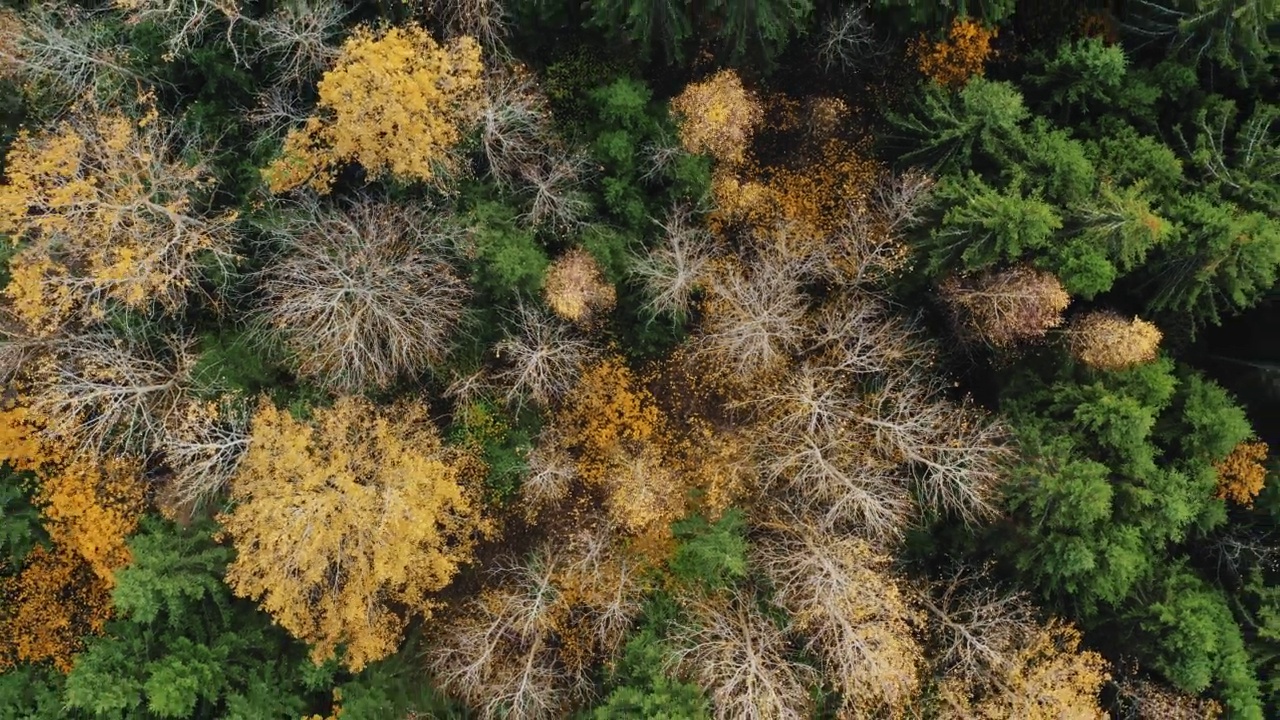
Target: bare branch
<point>542,359</point>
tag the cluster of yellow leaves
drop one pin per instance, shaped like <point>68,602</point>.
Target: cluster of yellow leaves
<point>1107,341</point>
<point>341,520</point>
<point>109,215</point>
<point>576,290</point>
<point>48,608</point>
<point>89,505</point>
<point>1241,475</point>
<point>650,471</point>
<point>953,61</point>
<point>396,102</point>
<point>718,117</point>
<point>1049,678</point>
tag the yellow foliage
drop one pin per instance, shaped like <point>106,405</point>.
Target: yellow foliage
<point>718,116</point>
<point>339,521</point>
<point>47,608</point>
<point>1049,678</point>
<point>953,61</point>
<point>109,211</point>
<point>1241,475</point>
<point>90,506</point>
<point>575,288</point>
<point>1106,341</point>
<point>20,445</point>
<point>396,102</point>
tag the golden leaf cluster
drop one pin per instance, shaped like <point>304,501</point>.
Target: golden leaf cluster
<point>1107,341</point>
<point>953,61</point>
<point>110,214</point>
<point>1049,678</point>
<point>341,520</point>
<point>47,609</point>
<point>89,506</point>
<point>718,117</point>
<point>396,102</point>
<point>576,290</point>
<point>1241,474</point>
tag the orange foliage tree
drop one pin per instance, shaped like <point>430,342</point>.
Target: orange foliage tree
<point>1241,475</point>
<point>953,61</point>
<point>89,506</point>
<point>396,102</point>
<point>718,116</point>
<point>340,520</point>
<point>112,214</point>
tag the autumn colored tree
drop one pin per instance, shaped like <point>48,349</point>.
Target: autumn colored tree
<point>90,506</point>
<point>396,102</point>
<point>1003,309</point>
<point>1242,474</point>
<point>112,214</point>
<point>363,293</point>
<point>1047,677</point>
<point>49,607</point>
<point>962,55</point>
<point>576,290</point>
<point>718,117</point>
<point>339,521</point>
<point>1107,341</point>
<point>203,445</point>
<point>1152,701</point>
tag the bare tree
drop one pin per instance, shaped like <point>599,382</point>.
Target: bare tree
<point>105,394</point>
<point>363,293</point>
<point>555,187</point>
<point>975,629</point>
<point>484,20</point>
<point>515,123</point>
<point>870,240</point>
<point>526,647</point>
<point>1002,309</point>
<point>740,656</point>
<point>956,452</point>
<point>851,611</point>
<point>184,22</point>
<point>542,358</point>
<point>67,48</point>
<point>551,473</point>
<point>754,319</point>
<point>848,40</point>
<point>299,36</point>
<point>674,270</point>
<point>204,447</point>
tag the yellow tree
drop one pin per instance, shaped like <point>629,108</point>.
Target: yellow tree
<point>718,116</point>
<point>1042,675</point>
<point>1104,340</point>
<point>396,102</point>
<point>112,214</point>
<point>89,505</point>
<point>954,60</point>
<point>340,521</point>
<point>576,289</point>
<point>1241,475</point>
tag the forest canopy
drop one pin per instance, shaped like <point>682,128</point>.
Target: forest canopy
<point>518,360</point>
